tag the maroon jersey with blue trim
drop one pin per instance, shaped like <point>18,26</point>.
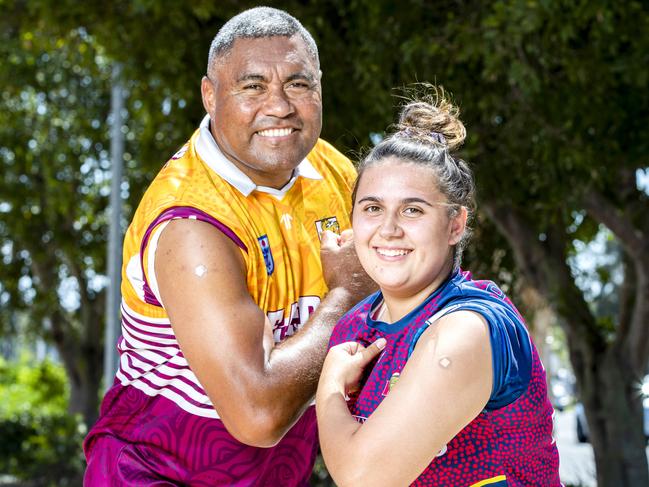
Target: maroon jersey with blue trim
<point>510,442</point>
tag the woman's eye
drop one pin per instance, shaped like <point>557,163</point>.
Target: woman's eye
<point>412,211</point>
<point>372,209</point>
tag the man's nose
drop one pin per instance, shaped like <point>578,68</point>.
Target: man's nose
<point>277,103</point>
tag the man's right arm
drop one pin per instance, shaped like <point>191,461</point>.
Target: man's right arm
<point>258,388</point>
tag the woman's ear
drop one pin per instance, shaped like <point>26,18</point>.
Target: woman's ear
<point>457,226</point>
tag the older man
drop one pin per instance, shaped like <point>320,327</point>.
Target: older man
<point>232,280</point>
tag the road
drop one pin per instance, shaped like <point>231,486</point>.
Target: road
<point>576,462</point>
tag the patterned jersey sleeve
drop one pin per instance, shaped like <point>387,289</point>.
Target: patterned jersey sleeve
<point>511,347</point>
<point>511,350</point>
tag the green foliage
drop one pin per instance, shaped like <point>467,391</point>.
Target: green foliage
<point>28,386</point>
<point>41,443</point>
<point>55,179</point>
<point>42,450</point>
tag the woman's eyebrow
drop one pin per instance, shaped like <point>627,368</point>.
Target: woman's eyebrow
<point>405,201</point>
<point>417,200</point>
<point>370,198</point>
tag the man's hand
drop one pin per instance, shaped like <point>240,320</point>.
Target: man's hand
<point>341,267</point>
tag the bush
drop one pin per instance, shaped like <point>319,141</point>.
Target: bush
<point>42,450</point>
<point>41,443</point>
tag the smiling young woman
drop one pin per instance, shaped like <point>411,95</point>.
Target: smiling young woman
<point>405,231</point>
<point>458,394</point>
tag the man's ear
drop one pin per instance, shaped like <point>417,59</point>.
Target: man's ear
<point>458,225</point>
<point>208,95</point>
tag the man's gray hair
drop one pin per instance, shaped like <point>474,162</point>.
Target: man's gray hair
<point>256,23</point>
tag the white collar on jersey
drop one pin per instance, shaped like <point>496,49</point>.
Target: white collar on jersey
<point>209,151</point>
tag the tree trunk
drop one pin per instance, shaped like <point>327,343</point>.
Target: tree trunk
<point>84,388</point>
<point>82,360</point>
<point>77,337</point>
<point>615,419</point>
<point>604,368</point>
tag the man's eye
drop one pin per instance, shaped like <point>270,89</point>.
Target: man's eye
<point>253,87</point>
<point>297,88</point>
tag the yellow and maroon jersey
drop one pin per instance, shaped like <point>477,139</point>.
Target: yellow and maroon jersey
<point>277,232</point>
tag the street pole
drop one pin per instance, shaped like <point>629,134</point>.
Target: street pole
<point>113,295</point>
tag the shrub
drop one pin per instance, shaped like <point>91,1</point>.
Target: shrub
<point>41,442</point>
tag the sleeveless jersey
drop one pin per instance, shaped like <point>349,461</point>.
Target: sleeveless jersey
<point>510,443</point>
<point>157,404</point>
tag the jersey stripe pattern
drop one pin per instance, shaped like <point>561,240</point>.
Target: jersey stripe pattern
<point>157,410</point>
<point>510,443</point>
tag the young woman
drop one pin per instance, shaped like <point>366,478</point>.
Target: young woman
<point>433,380</point>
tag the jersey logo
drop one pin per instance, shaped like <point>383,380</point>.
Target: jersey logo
<point>495,291</point>
<point>286,220</point>
<point>264,244</point>
<point>325,224</point>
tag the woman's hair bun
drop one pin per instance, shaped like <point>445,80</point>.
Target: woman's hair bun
<point>428,114</point>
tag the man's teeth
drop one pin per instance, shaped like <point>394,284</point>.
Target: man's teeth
<point>392,252</point>
<point>275,132</point>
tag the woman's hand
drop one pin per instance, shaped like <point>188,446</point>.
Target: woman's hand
<point>344,365</point>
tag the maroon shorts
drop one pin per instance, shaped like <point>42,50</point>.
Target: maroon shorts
<point>116,463</point>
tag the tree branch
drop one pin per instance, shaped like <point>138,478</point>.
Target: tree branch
<point>627,295</point>
<point>639,330</point>
<point>635,338</point>
<point>632,239</point>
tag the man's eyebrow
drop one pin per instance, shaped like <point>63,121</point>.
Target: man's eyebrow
<point>251,77</point>
<point>301,75</point>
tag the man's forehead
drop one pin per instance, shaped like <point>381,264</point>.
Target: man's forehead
<point>257,53</point>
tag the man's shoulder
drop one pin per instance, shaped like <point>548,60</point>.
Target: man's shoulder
<point>183,181</point>
<point>325,158</point>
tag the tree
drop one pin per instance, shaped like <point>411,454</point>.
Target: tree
<point>53,195</point>
<point>570,138</point>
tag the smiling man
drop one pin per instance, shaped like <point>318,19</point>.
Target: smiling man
<point>231,283</point>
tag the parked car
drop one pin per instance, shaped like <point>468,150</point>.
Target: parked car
<point>583,434</point>
<point>561,393</point>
